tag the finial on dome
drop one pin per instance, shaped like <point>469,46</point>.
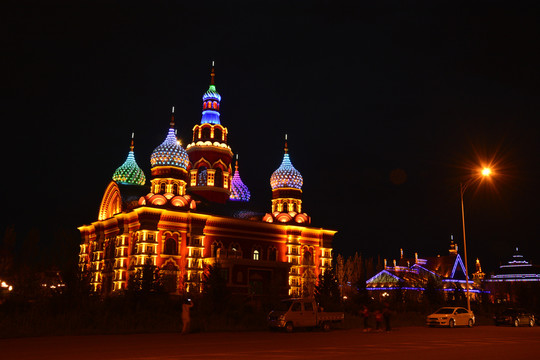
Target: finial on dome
<point>132,137</point>
<point>212,74</point>
<point>286,148</point>
<point>172,117</point>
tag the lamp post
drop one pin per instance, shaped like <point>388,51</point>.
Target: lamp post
<point>462,187</point>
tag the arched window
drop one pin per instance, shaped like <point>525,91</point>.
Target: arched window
<point>308,258</point>
<point>209,104</point>
<point>202,176</point>
<point>205,133</point>
<point>170,247</point>
<point>175,189</point>
<point>285,206</point>
<point>272,254</point>
<point>214,105</point>
<point>162,188</point>
<point>256,255</point>
<point>218,134</point>
<point>215,249</point>
<point>204,105</point>
<point>218,178</point>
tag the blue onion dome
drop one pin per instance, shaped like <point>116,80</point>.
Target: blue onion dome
<point>211,102</point>
<point>239,191</point>
<point>170,152</point>
<point>286,176</point>
<point>129,172</point>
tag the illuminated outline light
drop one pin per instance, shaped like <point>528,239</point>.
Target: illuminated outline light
<point>286,176</point>
<point>129,172</point>
<point>239,191</point>
<point>170,153</point>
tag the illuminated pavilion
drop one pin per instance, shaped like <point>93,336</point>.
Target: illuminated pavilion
<point>515,273</point>
<point>195,213</point>
<point>411,275</point>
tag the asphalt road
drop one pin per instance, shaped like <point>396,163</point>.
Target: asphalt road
<point>482,342</point>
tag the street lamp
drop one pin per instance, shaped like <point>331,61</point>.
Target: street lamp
<point>463,186</point>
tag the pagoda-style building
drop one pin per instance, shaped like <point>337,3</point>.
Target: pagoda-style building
<point>516,273</point>
<point>412,275</point>
<point>195,212</point>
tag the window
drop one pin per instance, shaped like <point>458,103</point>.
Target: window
<point>218,179</point>
<point>308,306</point>
<point>272,256</point>
<point>296,307</point>
<point>308,259</point>
<point>162,188</point>
<point>256,254</point>
<point>170,247</point>
<point>217,134</point>
<point>175,189</point>
<point>202,176</point>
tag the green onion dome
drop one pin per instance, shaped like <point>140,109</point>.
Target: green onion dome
<point>129,172</point>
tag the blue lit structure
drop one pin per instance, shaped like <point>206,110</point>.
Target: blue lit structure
<point>170,152</point>
<point>516,270</point>
<point>286,176</point>
<point>239,191</point>
<point>211,102</point>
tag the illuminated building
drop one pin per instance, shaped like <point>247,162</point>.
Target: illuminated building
<point>194,213</point>
<point>411,275</point>
<point>516,272</point>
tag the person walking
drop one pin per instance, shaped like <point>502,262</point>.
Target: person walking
<point>378,320</point>
<point>186,316</point>
<point>386,315</point>
<point>365,315</point>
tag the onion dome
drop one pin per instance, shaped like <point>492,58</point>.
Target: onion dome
<point>211,100</point>
<point>129,172</point>
<point>286,176</point>
<point>239,191</point>
<point>170,152</point>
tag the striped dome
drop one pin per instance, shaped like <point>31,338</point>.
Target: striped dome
<point>129,172</point>
<point>170,153</point>
<point>286,176</point>
<point>239,191</point>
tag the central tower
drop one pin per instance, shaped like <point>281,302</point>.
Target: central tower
<point>209,154</point>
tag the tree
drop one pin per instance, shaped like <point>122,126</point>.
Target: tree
<point>327,291</point>
<point>433,292</point>
<point>215,294</point>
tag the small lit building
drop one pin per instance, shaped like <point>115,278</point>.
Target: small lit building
<point>411,276</point>
<point>195,212</point>
<point>516,272</point>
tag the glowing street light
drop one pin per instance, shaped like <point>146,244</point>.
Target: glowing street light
<point>463,186</point>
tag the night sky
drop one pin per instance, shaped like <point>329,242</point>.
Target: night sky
<point>388,105</point>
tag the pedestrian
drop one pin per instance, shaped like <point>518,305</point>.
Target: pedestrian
<point>378,320</point>
<point>386,315</point>
<point>186,316</point>
<point>364,312</point>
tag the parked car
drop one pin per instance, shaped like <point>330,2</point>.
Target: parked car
<point>451,316</point>
<point>514,317</point>
<point>305,313</point>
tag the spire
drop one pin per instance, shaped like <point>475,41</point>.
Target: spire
<point>211,102</point>
<point>172,118</point>
<point>286,148</point>
<point>212,74</point>
<point>132,137</point>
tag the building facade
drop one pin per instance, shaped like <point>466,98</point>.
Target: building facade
<point>193,214</point>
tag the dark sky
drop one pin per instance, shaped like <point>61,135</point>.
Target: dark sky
<point>388,105</point>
